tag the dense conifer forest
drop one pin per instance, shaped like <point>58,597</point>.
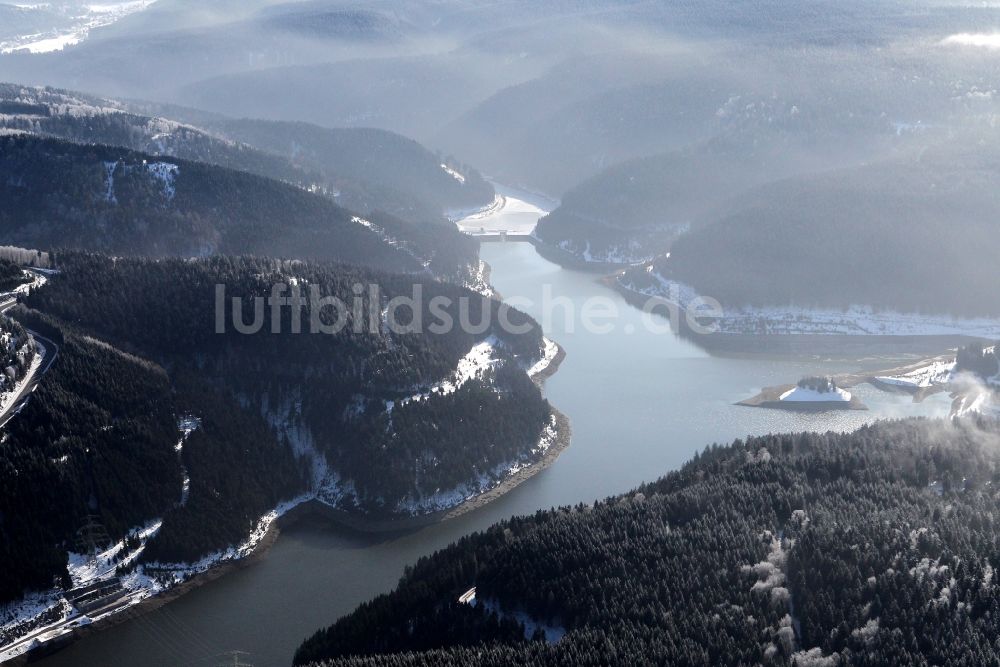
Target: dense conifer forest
<point>96,438</point>
<point>239,469</point>
<point>116,200</point>
<point>17,352</point>
<point>978,359</point>
<point>875,547</point>
<point>85,119</point>
<point>366,170</point>
<point>372,169</point>
<point>328,390</point>
<point>821,240</point>
<point>138,348</point>
<point>11,275</point>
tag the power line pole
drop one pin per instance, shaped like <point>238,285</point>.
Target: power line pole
<point>237,662</point>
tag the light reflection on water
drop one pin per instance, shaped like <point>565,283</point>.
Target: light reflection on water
<point>642,403</point>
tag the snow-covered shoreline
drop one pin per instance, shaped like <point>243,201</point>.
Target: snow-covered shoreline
<point>513,211</point>
<point>856,320</point>
<point>443,501</point>
<point>613,255</point>
<point>809,395</point>
<point>472,365</point>
<point>149,581</point>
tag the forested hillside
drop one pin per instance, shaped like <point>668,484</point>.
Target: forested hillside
<point>11,275</point>
<point>913,234</point>
<point>395,416</point>
<point>366,170</point>
<point>367,419</point>
<point>870,548</point>
<point>97,441</point>
<point>87,119</point>
<point>979,359</point>
<point>371,169</point>
<point>18,350</point>
<point>116,200</point>
<point>96,438</point>
<point>635,210</point>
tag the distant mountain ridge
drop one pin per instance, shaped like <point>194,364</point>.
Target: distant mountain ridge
<point>366,169</point>
<point>912,235</point>
<point>125,202</point>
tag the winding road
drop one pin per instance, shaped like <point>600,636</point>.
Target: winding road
<point>28,387</point>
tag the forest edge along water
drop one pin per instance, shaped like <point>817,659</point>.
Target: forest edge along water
<point>635,414</point>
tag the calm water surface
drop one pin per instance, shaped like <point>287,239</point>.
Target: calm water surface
<point>640,404</point>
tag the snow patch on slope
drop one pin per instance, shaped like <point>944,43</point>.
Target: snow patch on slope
<point>454,174</point>
<point>480,358</point>
<point>934,374</point>
<point>165,173</point>
<point>549,352</point>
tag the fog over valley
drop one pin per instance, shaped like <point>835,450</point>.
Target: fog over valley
<point>489,332</point>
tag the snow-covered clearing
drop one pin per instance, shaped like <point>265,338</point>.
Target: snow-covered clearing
<point>81,21</point>
<point>326,485</point>
<point>976,401</point>
<point>934,374</point>
<point>473,365</point>
<point>479,281</point>
<point>480,358</point>
<point>165,172</point>
<point>454,174</point>
<point>549,353</point>
<point>187,425</point>
<point>85,569</point>
<point>109,177</point>
<point>807,394</point>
